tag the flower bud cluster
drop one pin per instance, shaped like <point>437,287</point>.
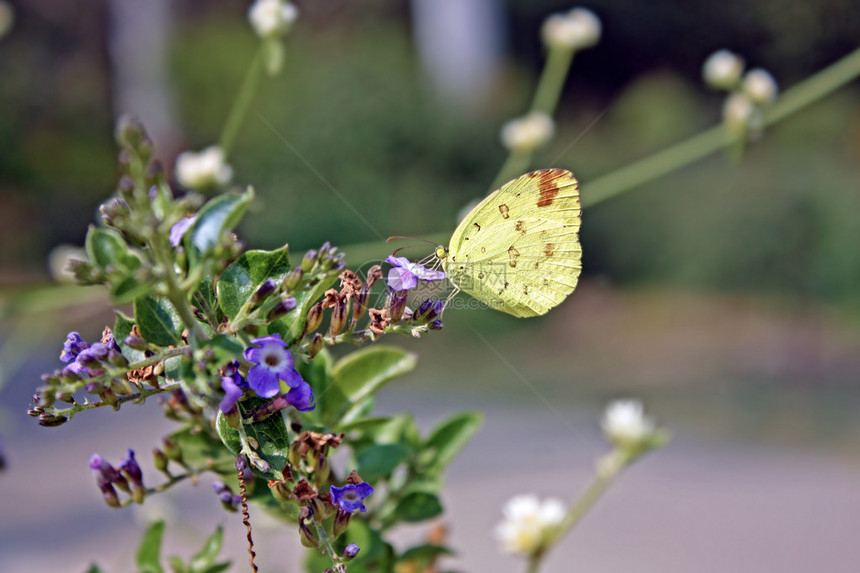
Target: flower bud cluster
<point>576,29</point>
<point>272,18</point>
<point>128,478</point>
<point>626,427</point>
<point>203,169</point>
<point>529,525</point>
<point>748,95</point>
<point>229,500</point>
<point>527,133</point>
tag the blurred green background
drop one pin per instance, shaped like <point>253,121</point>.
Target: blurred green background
<point>726,294</point>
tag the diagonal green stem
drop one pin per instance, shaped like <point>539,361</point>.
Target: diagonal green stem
<point>243,101</point>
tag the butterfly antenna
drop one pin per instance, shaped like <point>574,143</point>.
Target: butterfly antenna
<point>416,239</point>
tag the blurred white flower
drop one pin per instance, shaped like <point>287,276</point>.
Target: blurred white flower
<point>272,17</point>
<point>760,86</point>
<point>739,113</point>
<point>59,259</point>
<point>576,29</point>
<point>528,132</point>
<point>625,423</point>
<point>7,18</point>
<point>723,69</point>
<point>529,524</point>
<point>203,169</point>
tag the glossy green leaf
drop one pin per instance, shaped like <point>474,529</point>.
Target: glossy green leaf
<point>271,434</point>
<point>425,553</point>
<point>149,552</point>
<point>176,565</point>
<point>378,461</point>
<point>244,276</point>
<point>217,567</point>
<point>216,217</point>
<point>363,372</point>
<point>157,321</point>
<point>418,506</point>
<point>207,555</point>
<point>449,438</point>
<point>363,425</point>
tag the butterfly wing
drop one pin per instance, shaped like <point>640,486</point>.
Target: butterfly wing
<point>518,250</point>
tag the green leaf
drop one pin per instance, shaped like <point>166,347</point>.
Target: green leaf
<point>363,425</point>
<point>360,374</point>
<point>94,569</point>
<point>176,565</point>
<point>201,451</point>
<point>121,329</point>
<point>401,429</point>
<point>209,552</point>
<point>271,434</point>
<point>225,347</point>
<point>106,247</point>
<point>217,567</point>
<point>449,438</point>
<point>418,506</point>
<point>127,289</point>
<point>217,216</point>
<point>149,552</point>
<point>157,321</point>
<point>244,276</point>
<point>378,461</point>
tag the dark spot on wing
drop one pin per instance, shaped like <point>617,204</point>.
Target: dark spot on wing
<point>545,282</point>
<point>483,249</point>
<point>513,253</point>
<point>547,187</point>
<point>503,209</point>
<point>477,227</point>
<point>520,227</point>
<point>526,289</point>
<point>548,249</point>
<point>537,264</point>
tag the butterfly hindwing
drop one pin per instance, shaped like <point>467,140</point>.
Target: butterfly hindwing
<point>518,250</point>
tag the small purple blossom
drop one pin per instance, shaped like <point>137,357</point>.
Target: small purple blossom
<point>404,274</point>
<point>73,346</point>
<point>178,230</point>
<point>351,550</point>
<point>350,497</point>
<point>104,472</point>
<point>129,468</point>
<point>273,363</point>
<point>232,393</point>
<point>301,397</point>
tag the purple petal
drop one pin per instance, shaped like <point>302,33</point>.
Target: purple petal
<point>397,261</point>
<point>301,397</point>
<point>232,393</point>
<point>401,279</point>
<point>178,230</point>
<point>426,274</point>
<point>271,339</point>
<point>264,382</point>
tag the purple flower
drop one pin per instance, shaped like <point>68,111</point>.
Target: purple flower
<point>104,472</point>
<point>301,397</point>
<point>129,468</point>
<point>350,497</point>
<point>232,393</point>
<point>178,230</point>
<point>404,274</point>
<point>273,364</point>
<point>351,550</point>
<point>73,346</point>
<point>76,369</point>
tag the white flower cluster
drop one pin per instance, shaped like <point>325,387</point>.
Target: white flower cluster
<point>625,423</point>
<point>272,18</point>
<point>574,30</point>
<point>527,133</point>
<point>749,92</point>
<point>529,524</point>
<point>197,170</point>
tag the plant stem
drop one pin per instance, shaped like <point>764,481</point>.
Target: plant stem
<point>712,140</point>
<point>142,395</point>
<point>552,80</point>
<point>243,102</point>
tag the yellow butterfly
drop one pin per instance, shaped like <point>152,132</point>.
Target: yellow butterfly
<point>518,250</point>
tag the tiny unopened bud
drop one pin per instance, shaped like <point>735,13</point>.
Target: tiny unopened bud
<point>294,279</point>
<point>309,260</point>
<point>429,310</point>
<point>260,463</point>
<point>317,343</point>
<point>125,186</point>
<point>296,453</point>
<point>722,70</point>
<point>338,317</point>
<point>315,316</point>
<point>51,420</point>
<point>527,133</point>
<point>264,291</point>
<point>171,450</point>
<point>282,308</point>
<point>308,536</point>
<point>241,463</point>
<point>396,304</point>
<point>350,551</point>
<point>109,495</point>
<point>281,490</point>
<point>129,131</point>
<point>341,522</point>
<point>435,325</point>
<point>359,304</point>
<point>160,461</point>
<point>135,342</point>
<point>114,211</point>
<point>116,358</point>
<point>760,86</point>
<point>574,30</point>
<point>738,113</point>
<point>322,471</point>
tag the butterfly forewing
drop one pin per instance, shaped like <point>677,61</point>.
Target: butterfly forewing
<point>518,250</point>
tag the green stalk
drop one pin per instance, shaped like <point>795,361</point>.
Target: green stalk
<point>243,102</point>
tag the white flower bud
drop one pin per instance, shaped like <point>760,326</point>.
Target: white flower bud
<point>59,259</point>
<point>529,524</point>
<point>271,18</point>
<point>739,113</point>
<point>625,424</point>
<point>760,86</point>
<point>203,169</point>
<point>7,18</point>
<point>576,30</point>
<point>527,133</point>
<point>723,69</point>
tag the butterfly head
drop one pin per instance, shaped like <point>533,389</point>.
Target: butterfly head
<point>441,252</point>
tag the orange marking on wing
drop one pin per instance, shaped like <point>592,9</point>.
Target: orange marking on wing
<point>503,209</point>
<point>548,249</point>
<point>547,187</point>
